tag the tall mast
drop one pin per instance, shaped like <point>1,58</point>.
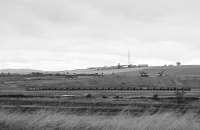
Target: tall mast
<point>129,57</point>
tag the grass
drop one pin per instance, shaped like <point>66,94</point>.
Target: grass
<point>183,76</point>
<point>48,120</point>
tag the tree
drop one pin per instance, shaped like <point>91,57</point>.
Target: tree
<point>178,63</point>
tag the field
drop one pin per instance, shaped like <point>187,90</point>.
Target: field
<point>173,97</point>
<point>186,76</point>
<point>47,120</point>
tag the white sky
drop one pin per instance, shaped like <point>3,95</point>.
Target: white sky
<point>69,34</point>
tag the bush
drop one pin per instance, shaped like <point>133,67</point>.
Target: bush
<point>116,97</point>
<point>155,96</point>
<point>179,96</point>
<point>88,95</point>
<point>104,96</point>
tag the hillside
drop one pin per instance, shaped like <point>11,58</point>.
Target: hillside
<point>19,71</point>
<point>184,76</point>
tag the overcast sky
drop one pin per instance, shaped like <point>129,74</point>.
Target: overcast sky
<point>69,34</point>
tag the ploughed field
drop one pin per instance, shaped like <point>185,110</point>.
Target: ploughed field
<point>108,105</point>
<point>125,90</point>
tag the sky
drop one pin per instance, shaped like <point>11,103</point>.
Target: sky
<point>72,34</point>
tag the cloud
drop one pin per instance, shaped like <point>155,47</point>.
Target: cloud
<point>68,34</point>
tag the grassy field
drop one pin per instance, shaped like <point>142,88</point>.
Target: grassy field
<point>13,89</point>
<point>183,77</point>
<point>58,107</point>
<point>48,120</point>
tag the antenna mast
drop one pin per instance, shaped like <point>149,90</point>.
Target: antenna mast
<point>129,57</point>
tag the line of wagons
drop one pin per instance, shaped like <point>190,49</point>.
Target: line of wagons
<point>128,88</point>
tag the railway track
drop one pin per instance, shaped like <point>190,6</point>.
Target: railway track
<point>121,93</point>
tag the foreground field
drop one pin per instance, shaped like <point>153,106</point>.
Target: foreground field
<point>46,120</point>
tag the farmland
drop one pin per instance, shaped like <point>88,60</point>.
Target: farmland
<point>48,120</point>
<point>110,96</point>
<point>112,92</point>
<point>178,77</point>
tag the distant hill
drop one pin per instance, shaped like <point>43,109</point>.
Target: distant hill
<point>105,71</point>
<point>19,71</point>
<point>171,70</point>
<point>174,76</point>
